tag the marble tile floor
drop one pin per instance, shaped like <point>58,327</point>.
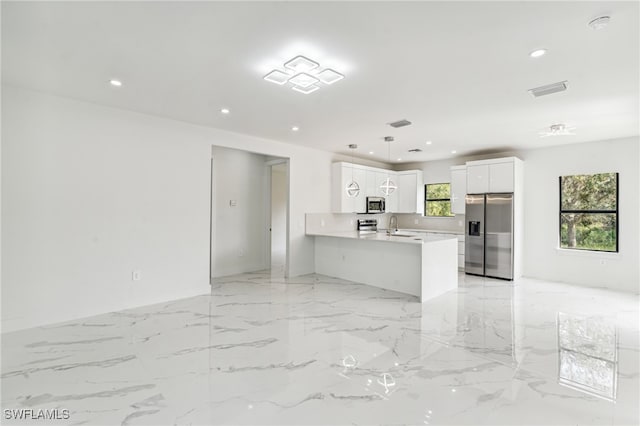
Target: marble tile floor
<point>315,350</point>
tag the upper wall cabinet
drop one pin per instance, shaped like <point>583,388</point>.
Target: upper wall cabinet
<point>342,174</point>
<point>410,192</point>
<point>496,175</point>
<point>458,188</point>
<point>407,198</point>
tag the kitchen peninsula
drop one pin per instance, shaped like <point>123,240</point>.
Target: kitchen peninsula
<point>419,264</point>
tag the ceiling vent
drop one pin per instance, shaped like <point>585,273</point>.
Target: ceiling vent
<point>549,89</point>
<point>400,123</point>
<point>415,150</point>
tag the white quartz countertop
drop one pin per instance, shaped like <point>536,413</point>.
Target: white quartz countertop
<point>408,237</point>
<point>433,231</point>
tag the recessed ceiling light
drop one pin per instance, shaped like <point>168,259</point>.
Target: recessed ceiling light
<point>454,151</point>
<point>225,110</point>
<point>599,23</point>
<point>115,83</point>
<point>295,128</point>
<point>537,53</point>
<point>428,142</point>
<point>371,152</point>
<point>399,159</point>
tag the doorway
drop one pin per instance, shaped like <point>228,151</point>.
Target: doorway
<point>277,197</point>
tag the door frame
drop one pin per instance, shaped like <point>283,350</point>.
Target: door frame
<point>267,202</point>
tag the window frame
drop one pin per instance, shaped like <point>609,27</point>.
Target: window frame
<point>427,199</point>
<point>574,211</point>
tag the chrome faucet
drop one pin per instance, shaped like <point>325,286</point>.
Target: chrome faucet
<point>393,224</point>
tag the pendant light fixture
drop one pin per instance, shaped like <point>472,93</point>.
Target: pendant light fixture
<point>388,186</point>
<point>352,188</point>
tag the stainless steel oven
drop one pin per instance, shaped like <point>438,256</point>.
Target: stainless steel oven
<point>375,204</point>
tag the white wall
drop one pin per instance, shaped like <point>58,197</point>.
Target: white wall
<point>542,167</point>
<point>238,231</point>
<point>278,213</point>
<point>90,193</point>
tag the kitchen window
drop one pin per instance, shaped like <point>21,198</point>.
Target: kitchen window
<point>589,212</point>
<point>437,200</point>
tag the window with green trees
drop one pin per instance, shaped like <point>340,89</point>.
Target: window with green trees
<point>437,199</point>
<point>589,212</point>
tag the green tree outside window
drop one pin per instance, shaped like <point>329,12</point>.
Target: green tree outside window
<point>437,200</point>
<point>589,212</point>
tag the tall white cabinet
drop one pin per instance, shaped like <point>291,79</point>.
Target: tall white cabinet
<point>458,188</point>
<point>502,175</point>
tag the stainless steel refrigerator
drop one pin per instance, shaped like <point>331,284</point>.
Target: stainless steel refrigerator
<point>489,235</point>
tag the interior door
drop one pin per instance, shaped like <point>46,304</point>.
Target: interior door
<point>474,238</point>
<point>499,239</point>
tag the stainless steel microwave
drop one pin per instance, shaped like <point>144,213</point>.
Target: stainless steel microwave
<point>375,204</point>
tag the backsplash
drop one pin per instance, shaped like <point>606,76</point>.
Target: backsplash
<point>341,222</point>
<point>416,221</point>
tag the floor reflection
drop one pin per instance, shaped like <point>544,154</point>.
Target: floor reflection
<point>588,355</point>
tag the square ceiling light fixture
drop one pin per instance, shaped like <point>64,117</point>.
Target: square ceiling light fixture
<point>306,76</point>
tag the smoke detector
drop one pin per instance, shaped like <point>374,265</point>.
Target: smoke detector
<point>558,129</point>
<point>400,123</point>
<point>549,89</point>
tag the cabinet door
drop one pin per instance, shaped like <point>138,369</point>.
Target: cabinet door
<point>478,179</point>
<point>349,204</point>
<point>501,177</point>
<point>409,185</point>
<point>391,200</point>
<point>371,184</point>
<point>458,189</point>
<point>360,201</point>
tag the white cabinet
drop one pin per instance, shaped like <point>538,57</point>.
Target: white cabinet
<point>477,178</point>
<point>408,197</point>
<point>458,188</point>
<point>501,177</point>
<point>410,192</point>
<point>342,175</point>
<point>490,176</point>
<point>372,187</point>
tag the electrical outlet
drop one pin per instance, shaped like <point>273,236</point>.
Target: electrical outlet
<point>321,222</point>
<point>459,223</point>
<point>233,203</point>
<point>603,262</point>
<point>136,275</point>
<point>344,257</point>
<point>415,221</point>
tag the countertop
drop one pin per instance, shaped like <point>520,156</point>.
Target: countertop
<point>433,231</point>
<point>411,237</point>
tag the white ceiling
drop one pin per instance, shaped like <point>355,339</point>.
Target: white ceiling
<point>458,70</point>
